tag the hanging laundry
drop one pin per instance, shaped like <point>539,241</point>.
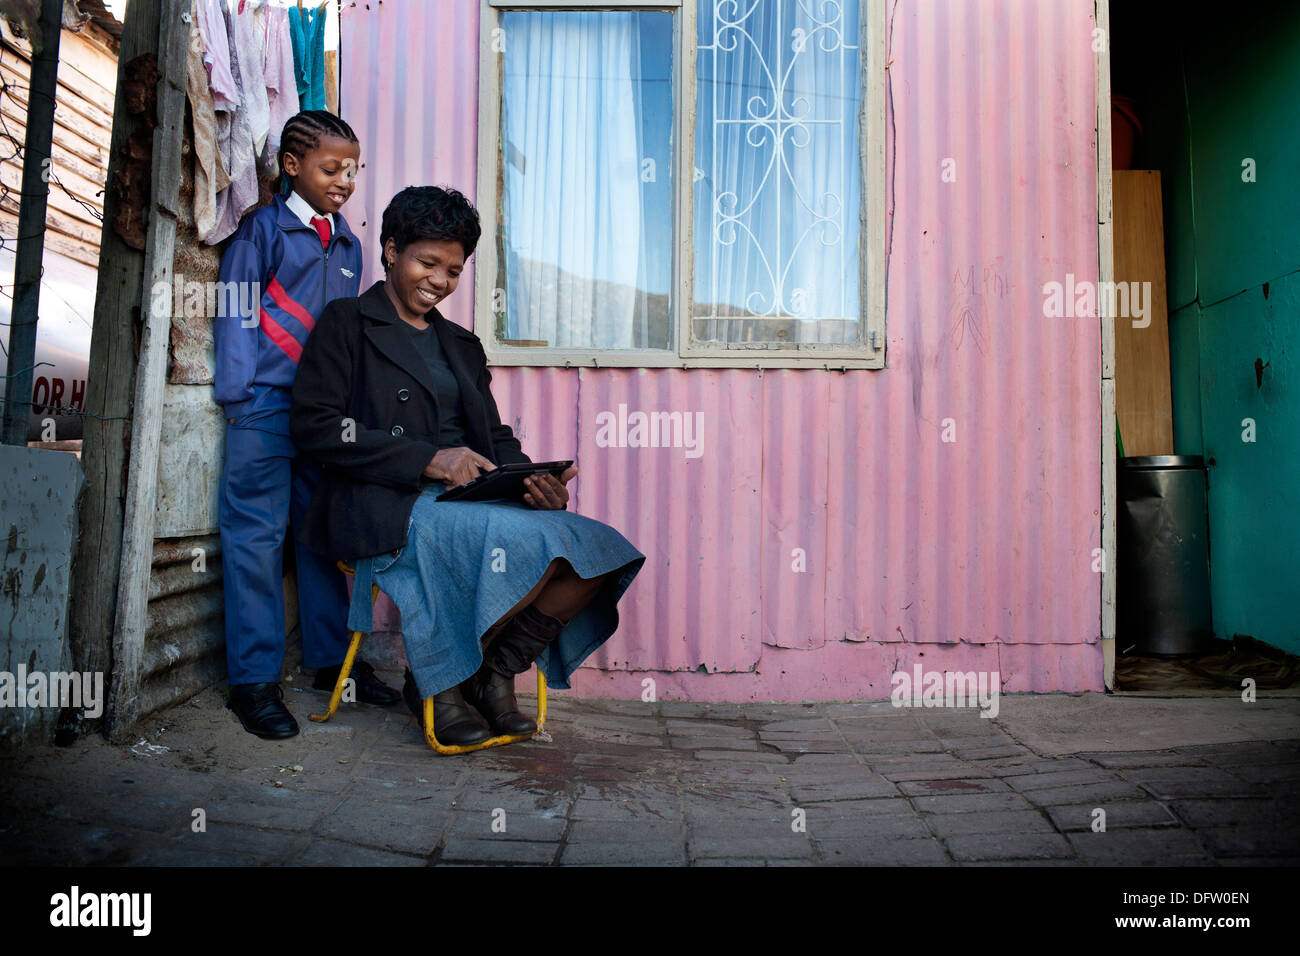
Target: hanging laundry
<point>280,78</point>
<point>216,53</point>
<point>248,46</point>
<point>210,176</point>
<point>307,30</point>
<point>221,83</point>
<point>235,138</point>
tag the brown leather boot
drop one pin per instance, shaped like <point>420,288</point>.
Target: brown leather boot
<point>493,696</point>
<point>492,689</point>
<point>455,723</point>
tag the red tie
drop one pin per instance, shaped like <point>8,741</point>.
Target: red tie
<point>322,229</point>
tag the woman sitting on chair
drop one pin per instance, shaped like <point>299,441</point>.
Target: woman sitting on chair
<point>395,402</point>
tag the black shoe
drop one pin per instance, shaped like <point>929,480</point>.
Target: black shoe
<point>493,696</point>
<point>260,708</point>
<point>455,723</point>
<point>370,689</point>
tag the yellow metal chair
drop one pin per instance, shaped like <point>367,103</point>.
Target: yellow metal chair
<point>429,734</point>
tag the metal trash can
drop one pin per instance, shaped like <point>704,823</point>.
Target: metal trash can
<point>1163,567</point>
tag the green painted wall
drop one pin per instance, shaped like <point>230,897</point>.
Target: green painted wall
<point>1254,495</point>
<point>1242,90</point>
<point>1211,98</point>
<point>1185,378</point>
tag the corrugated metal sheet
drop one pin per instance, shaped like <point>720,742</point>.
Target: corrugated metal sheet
<point>408,86</point>
<point>970,554</point>
<point>185,647</point>
<point>697,601</point>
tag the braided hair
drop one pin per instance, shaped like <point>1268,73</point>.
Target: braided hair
<point>302,134</point>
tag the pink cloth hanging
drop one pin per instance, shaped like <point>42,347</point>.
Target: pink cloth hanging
<point>235,140</point>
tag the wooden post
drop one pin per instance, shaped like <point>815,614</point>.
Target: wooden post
<point>142,477</point>
<point>110,380</point>
<point>31,225</point>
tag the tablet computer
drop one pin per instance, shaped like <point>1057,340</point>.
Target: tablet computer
<point>505,482</point>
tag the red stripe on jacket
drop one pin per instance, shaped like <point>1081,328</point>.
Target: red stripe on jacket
<point>293,308</point>
<point>288,344</point>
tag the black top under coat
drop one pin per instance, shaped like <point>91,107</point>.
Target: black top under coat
<point>451,424</point>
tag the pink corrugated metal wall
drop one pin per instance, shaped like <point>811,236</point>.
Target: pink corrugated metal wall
<point>971,554</point>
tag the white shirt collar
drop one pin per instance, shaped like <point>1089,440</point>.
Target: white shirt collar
<point>302,209</point>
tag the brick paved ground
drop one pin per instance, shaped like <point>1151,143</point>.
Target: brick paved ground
<point>631,783</point>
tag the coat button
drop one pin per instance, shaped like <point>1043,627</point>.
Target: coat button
<point>403,394</point>
<point>397,430</point>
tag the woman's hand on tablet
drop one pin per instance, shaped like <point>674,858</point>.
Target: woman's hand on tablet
<point>546,492</point>
<point>455,466</point>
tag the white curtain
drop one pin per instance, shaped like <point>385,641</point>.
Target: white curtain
<point>777,183</point>
<point>575,228</point>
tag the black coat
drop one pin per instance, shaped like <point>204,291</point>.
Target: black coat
<point>359,364</point>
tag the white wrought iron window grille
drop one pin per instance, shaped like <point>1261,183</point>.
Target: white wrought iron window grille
<point>597,251</point>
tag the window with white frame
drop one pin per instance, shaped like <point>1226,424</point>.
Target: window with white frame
<point>697,182</point>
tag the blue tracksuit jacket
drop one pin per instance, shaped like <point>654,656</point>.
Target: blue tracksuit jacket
<point>277,261</point>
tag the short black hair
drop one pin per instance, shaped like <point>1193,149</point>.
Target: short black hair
<point>302,134</point>
<point>429,212</point>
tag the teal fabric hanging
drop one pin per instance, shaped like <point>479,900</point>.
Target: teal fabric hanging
<point>307,34</point>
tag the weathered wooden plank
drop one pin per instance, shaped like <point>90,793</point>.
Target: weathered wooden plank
<point>189,476</point>
<point>91,170</point>
<point>94,56</point>
<point>80,135</point>
<point>57,199</point>
<point>167,164</point>
<point>71,107</point>
<point>89,153</point>
<point>76,229</point>
<point>67,143</point>
<point>75,183</point>
<point>1143,397</point>
<point>131,626</point>
<point>78,66</point>
<point>110,386</point>
<point>56,241</point>
<point>332,81</point>
<point>96,98</point>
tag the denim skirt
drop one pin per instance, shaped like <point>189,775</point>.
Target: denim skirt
<point>466,563</point>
